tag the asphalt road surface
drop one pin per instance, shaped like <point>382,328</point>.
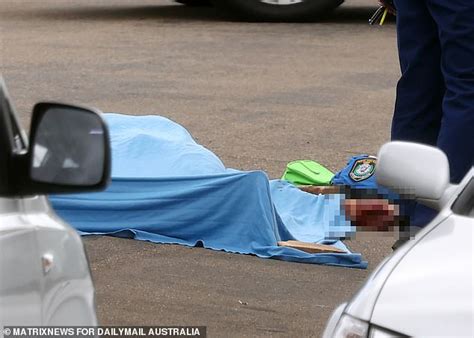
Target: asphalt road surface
<point>258,95</point>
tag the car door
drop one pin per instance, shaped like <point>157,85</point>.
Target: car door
<point>429,292</point>
<point>20,264</point>
<point>67,288</point>
<point>44,272</point>
<point>20,269</point>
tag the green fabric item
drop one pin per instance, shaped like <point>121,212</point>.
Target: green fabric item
<point>307,172</point>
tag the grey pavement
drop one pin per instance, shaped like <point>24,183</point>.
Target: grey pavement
<point>258,95</point>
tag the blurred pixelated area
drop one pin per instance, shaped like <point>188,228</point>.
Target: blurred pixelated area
<point>371,212</point>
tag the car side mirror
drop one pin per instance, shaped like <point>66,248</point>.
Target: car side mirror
<point>69,149</point>
<point>412,168</point>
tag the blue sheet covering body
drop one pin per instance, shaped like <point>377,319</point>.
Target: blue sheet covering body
<point>166,188</point>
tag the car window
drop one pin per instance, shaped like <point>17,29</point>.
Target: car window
<point>464,204</point>
<point>3,169</point>
<point>12,137</point>
<point>4,142</point>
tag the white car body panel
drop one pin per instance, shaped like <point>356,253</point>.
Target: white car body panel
<point>20,271</point>
<point>426,287</point>
<point>29,294</point>
<point>362,304</point>
<point>433,284</point>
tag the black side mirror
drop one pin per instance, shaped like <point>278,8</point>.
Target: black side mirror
<point>69,149</point>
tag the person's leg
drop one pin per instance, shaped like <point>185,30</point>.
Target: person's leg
<point>455,21</point>
<point>420,90</point>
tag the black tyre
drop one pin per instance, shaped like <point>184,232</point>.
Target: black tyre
<point>278,10</point>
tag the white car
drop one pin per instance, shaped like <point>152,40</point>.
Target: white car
<point>44,272</point>
<point>425,288</point>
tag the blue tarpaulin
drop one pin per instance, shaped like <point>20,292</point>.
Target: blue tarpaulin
<point>166,188</point>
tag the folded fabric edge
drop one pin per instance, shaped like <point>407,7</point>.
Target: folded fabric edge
<point>349,259</point>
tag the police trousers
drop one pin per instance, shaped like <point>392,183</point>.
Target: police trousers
<point>435,94</point>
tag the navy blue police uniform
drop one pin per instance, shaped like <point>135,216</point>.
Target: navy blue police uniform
<point>435,94</point>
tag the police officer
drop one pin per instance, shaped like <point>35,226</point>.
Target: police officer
<point>435,94</point>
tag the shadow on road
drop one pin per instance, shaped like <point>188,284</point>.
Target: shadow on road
<point>353,15</point>
<point>118,13</point>
<point>342,15</point>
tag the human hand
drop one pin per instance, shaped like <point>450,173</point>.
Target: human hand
<point>323,190</point>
